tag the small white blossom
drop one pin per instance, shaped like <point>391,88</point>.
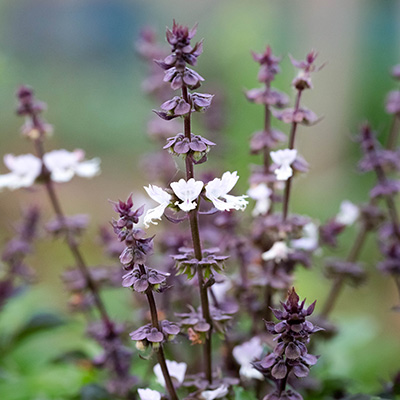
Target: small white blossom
<point>246,353</point>
<point>261,194</point>
<point>63,165</point>
<point>217,191</point>
<point>309,241</point>
<point>188,192</point>
<point>176,370</point>
<point>148,394</point>
<point>283,159</point>
<point>219,392</point>
<point>162,198</point>
<point>348,213</point>
<point>24,171</point>
<point>220,288</point>
<point>278,252</point>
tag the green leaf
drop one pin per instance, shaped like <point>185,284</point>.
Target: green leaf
<point>94,392</point>
<point>242,394</point>
<point>38,323</point>
<point>363,397</point>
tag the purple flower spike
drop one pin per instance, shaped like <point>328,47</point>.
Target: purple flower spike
<point>290,356</point>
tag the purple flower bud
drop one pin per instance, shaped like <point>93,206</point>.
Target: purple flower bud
<point>393,102</point>
<point>155,336</point>
<point>292,351</point>
<point>300,370</point>
<point>279,370</point>
<point>301,116</point>
<point>396,71</point>
<point>268,361</point>
<point>126,257</point>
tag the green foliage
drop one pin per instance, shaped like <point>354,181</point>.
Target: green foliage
<point>39,322</point>
<point>93,392</point>
<point>43,357</point>
<point>242,394</point>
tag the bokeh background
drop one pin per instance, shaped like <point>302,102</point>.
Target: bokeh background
<point>79,56</point>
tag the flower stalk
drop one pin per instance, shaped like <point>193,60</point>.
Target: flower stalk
<point>291,147</point>
<point>38,142</point>
<point>194,228</point>
<point>160,351</point>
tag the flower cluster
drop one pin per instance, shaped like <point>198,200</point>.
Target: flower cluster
<point>62,165</point>
<point>196,148</point>
<point>210,262</point>
<point>137,245</point>
<point>185,196</point>
<point>290,356</point>
<point>35,127</point>
<point>140,282</point>
<point>15,273</point>
<point>148,335</point>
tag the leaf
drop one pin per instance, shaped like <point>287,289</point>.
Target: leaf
<point>39,322</point>
<point>363,397</point>
<point>94,392</point>
<point>242,394</point>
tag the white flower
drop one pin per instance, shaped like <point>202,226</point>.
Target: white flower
<point>148,394</point>
<point>162,198</point>
<point>176,370</point>
<point>261,194</point>
<point>246,353</point>
<point>64,164</point>
<point>309,241</point>
<point>24,171</point>
<point>188,192</point>
<point>348,213</point>
<point>217,191</point>
<point>219,392</point>
<point>278,252</point>
<point>283,159</point>
<point>219,290</point>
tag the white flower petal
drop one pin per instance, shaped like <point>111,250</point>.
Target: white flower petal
<point>62,175</point>
<point>220,289</point>
<point>217,191</point>
<point>157,194</point>
<point>148,394</point>
<point>285,156</point>
<point>236,202</point>
<point>221,391</point>
<point>278,252</point>
<point>176,370</point>
<point>89,168</point>
<point>249,372</point>
<point>228,181</point>
<point>283,173</point>
<point>24,171</point>
<point>64,164</point>
<point>154,213</point>
<point>348,213</point>
<point>248,351</point>
<point>309,241</point>
<point>283,159</point>
<point>261,194</point>
<point>160,196</point>
<point>7,181</point>
<point>187,192</point>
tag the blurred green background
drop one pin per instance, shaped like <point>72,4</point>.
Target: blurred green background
<point>79,56</point>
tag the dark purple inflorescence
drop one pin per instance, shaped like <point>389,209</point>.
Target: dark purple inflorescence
<point>290,357</point>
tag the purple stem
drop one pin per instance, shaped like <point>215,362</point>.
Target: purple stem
<point>75,251</point>
<point>160,351</point>
<point>194,228</point>
<point>291,146</point>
